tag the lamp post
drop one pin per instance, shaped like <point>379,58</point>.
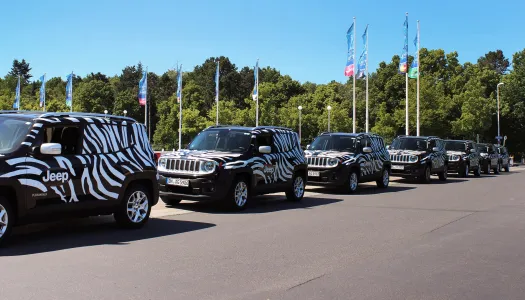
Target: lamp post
<point>105,113</point>
<point>125,112</point>
<point>497,96</point>
<point>329,109</point>
<point>300,108</point>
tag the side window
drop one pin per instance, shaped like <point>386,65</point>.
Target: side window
<point>364,142</point>
<point>432,144</point>
<point>67,136</point>
<point>264,140</point>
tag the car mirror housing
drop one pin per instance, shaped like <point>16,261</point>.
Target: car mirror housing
<point>435,149</point>
<point>51,149</point>
<point>265,149</point>
<point>367,150</point>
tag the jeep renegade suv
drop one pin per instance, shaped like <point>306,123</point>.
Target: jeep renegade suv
<point>504,158</point>
<point>232,164</point>
<point>419,157</point>
<point>345,159</point>
<point>489,158</point>
<point>462,157</point>
<point>63,164</point>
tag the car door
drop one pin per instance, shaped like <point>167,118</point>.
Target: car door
<point>493,155</point>
<point>264,169</point>
<point>473,157</point>
<point>366,160</point>
<point>60,179</point>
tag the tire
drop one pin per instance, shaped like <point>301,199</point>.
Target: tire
<point>497,169</point>
<point>384,181</point>
<point>238,196</point>
<point>296,191</point>
<point>487,168</point>
<point>426,178</point>
<point>477,172</point>
<point>169,200</point>
<point>352,183</point>
<point>507,168</point>
<point>443,175</point>
<point>135,208</point>
<point>7,218</point>
<point>464,171</point>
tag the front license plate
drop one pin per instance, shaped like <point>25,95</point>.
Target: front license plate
<point>394,167</point>
<point>178,182</point>
<point>314,173</point>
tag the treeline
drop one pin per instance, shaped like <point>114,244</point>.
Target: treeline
<point>457,100</point>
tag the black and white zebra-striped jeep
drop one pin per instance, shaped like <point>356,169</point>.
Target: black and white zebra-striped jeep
<point>346,159</point>
<point>419,157</point>
<point>231,164</point>
<point>55,165</point>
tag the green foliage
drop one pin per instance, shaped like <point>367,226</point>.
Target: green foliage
<point>456,100</point>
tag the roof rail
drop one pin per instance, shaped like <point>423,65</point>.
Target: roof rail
<point>79,114</point>
<point>19,112</point>
<point>272,127</point>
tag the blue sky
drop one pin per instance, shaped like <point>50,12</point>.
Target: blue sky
<point>305,39</point>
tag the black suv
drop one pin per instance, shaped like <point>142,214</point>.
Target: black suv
<point>419,157</point>
<point>232,164</point>
<point>489,158</point>
<point>462,157</point>
<point>63,164</point>
<point>504,158</point>
<point>345,159</point>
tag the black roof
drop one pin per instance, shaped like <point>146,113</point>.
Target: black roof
<point>418,137</point>
<point>31,115</point>
<point>246,128</point>
<point>357,134</point>
<point>461,141</point>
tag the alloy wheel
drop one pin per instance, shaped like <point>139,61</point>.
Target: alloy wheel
<point>4,220</point>
<point>137,207</point>
<point>241,193</point>
<point>298,187</point>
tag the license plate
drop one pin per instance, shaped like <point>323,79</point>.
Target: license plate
<point>178,182</point>
<point>394,167</point>
<point>314,173</point>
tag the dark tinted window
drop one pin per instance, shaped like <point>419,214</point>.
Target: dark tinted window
<point>409,144</point>
<point>334,142</point>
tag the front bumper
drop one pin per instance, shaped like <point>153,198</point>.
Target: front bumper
<point>409,170</point>
<point>455,166</point>
<point>329,177</point>
<point>201,188</point>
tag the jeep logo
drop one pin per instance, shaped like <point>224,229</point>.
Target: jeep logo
<point>62,176</point>
<point>268,169</point>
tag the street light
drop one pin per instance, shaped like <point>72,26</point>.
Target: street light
<point>497,93</point>
<point>300,108</point>
<point>105,113</point>
<point>329,109</point>
<point>125,112</point>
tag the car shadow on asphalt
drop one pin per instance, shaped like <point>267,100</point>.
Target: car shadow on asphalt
<point>435,180</point>
<point>362,190</point>
<point>259,205</point>
<point>78,233</point>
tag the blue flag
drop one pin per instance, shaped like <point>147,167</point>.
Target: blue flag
<point>403,62</point>
<point>69,90</point>
<point>179,84</point>
<point>143,88</point>
<point>361,67</point>
<point>349,69</point>
<point>414,67</point>
<point>16,105</point>
<point>255,93</point>
<point>217,84</point>
<point>43,91</point>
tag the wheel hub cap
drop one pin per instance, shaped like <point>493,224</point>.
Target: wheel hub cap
<point>138,206</point>
<point>353,181</point>
<point>298,187</point>
<point>241,194</point>
<point>4,220</point>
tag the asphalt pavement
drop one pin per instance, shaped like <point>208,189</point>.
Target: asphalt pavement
<point>460,239</point>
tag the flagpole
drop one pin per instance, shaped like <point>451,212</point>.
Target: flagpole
<point>406,86</point>
<point>19,93</point>
<point>353,92</point>
<point>217,91</point>
<point>366,70</point>
<point>418,71</point>
<point>146,104</point>
<point>257,96</point>
<point>180,111</point>
<point>71,108</point>
<point>44,92</point>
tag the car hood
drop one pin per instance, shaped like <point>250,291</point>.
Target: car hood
<point>202,155</point>
<point>406,152</point>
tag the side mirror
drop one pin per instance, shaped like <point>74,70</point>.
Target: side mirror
<point>472,150</point>
<point>387,147</point>
<point>435,149</point>
<point>308,147</point>
<point>51,149</point>
<point>265,149</point>
<point>367,150</point>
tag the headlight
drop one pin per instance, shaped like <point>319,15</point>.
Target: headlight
<point>162,163</point>
<point>208,166</point>
<point>455,157</point>
<point>333,162</point>
<point>413,158</point>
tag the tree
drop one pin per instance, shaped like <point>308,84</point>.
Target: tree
<point>494,60</point>
<point>21,68</point>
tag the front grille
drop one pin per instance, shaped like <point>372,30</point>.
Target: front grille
<point>317,161</point>
<point>178,165</point>
<point>401,158</point>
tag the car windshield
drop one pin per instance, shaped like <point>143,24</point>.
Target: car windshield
<point>455,146</point>
<point>12,133</point>
<point>334,142</point>
<point>409,144</point>
<point>225,140</point>
<point>482,149</point>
